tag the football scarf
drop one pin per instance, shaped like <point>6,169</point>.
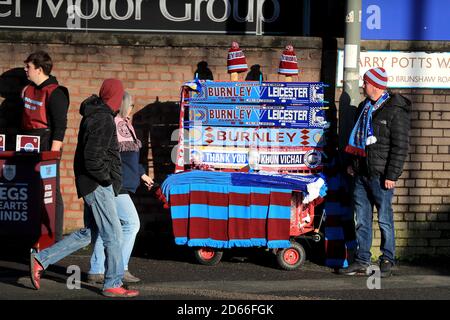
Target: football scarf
<point>362,133</point>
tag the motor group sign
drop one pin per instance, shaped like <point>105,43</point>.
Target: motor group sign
<point>180,16</point>
<point>404,69</point>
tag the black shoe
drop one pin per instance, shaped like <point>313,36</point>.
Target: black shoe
<point>353,269</point>
<point>385,268</point>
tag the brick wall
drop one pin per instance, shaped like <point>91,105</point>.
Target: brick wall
<point>153,67</point>
<point>423,198</point>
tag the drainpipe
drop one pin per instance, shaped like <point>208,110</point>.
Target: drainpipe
<point>350,97</point>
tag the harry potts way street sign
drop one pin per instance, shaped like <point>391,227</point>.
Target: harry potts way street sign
<point>178,16</point>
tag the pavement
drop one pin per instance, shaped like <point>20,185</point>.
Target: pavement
<point>241,275</point>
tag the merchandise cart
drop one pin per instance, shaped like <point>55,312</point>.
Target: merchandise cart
<point>250,157</point>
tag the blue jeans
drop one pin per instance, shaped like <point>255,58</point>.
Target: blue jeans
<point>100,217</point>
<point>367,193</point>
<point>129,219</point>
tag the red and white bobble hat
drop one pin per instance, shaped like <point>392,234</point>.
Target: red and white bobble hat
<point>288,62</point>
<point>377,77</point>
<point>236,61</point>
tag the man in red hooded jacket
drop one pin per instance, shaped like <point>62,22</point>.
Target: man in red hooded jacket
<point>98,179</point>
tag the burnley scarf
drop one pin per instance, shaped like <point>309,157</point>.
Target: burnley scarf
<point>362,133</point>
<point>126,135</point>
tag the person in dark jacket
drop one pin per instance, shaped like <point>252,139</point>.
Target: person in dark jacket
<point>12,83</point>
<point>46,104</point>
<point>132,172</point>
<point>98,180</point>
<point>203,72</point>
<point>254,74</point>
<point>379,144</point>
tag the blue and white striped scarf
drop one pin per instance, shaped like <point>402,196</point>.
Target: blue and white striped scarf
<point>362,133</point>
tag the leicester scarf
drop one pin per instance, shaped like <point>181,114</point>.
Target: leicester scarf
<point>362,133</point>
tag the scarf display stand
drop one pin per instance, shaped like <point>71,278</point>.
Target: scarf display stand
<point>248,168</point>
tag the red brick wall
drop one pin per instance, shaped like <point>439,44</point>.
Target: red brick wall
<point>152,73</point>
<point>153,68</point>
<point>422,201</point>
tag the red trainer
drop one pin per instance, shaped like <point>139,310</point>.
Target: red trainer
<point>120,292</point>
<point>35,272</point>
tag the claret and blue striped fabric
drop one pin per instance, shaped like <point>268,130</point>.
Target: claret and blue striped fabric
<point>224,210</point>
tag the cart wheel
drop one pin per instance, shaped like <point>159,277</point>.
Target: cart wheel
<point>317,237</point>
<point>291,258</point>
<point>208,256</point>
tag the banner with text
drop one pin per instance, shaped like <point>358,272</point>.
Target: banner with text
<point>258,17</point>
<point>255,137</point>
<point>256,116</point>
<point>266,159</point>
<point>405,20</point>
<point>261,93</point>
<point>404,69</point>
